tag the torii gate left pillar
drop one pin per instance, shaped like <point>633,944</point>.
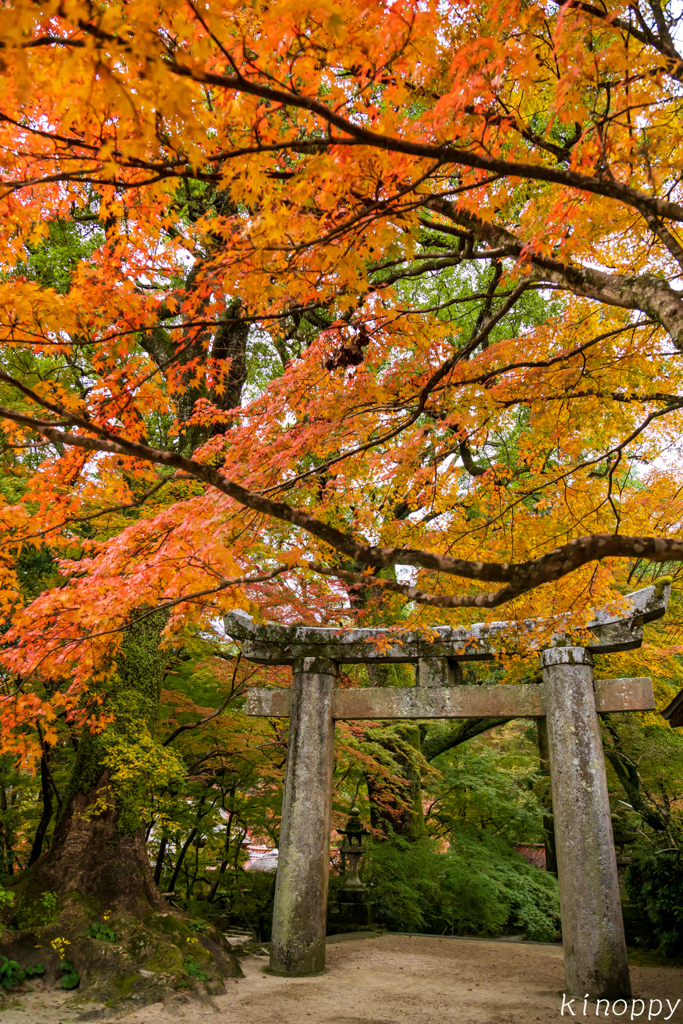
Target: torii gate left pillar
<point>570,698</point>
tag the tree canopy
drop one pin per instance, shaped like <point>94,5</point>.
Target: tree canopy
<point>332,291</point>
<point>364,313</point>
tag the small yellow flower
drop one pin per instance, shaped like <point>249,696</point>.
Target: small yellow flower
<point>59,945</point>
<point>193,939</point>
<point>106,915</point>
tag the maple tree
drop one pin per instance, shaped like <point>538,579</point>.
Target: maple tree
<point>367,312</point>
<point>325,157</point>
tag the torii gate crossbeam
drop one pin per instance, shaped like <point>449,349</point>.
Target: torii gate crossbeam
<point>570,700</point>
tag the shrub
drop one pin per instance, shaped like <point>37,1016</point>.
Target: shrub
<point>6,898</point>
<point>654,882</point>
<point>11,974</point>
<point>194,969</point>
<point>245,899</point>
<point>479,886</point>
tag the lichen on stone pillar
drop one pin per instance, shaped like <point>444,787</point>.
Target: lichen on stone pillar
<point>438,672</point>
<point>299,916</point>
<point>592,926</point>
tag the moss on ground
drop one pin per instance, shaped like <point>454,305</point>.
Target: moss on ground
<point>147,960</point>
<point>652,958</point>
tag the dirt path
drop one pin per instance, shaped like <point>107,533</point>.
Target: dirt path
<point>390,979</point>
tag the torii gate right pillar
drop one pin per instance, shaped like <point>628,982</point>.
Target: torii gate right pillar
<point>592,925</point>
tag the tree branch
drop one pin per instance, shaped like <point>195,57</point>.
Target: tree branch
<point>209,718</point>
<point>519,577</point>
<point>444,153</point>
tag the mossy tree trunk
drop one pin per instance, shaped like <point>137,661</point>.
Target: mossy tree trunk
<point>99,844</point>
<point>97,869</point>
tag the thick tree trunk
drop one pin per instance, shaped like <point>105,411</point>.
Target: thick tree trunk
<point>99,844</point>
<point>98,869</point>
<point>91,856</point>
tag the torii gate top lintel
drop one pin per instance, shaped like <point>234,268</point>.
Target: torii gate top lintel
<point>277,644</point>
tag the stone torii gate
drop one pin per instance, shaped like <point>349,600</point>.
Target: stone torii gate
<point>570,700</point>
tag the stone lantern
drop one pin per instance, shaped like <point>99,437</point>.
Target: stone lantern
<point>352,849</point>
<point>350,912</point>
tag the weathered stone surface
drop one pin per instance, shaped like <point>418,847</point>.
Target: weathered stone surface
<point>524,701</point>
<point>438,672</point>
<point>272,643</point>
<point>635,694</point>
<point>298,939</point>
<point>592,925</point>
<point>440,702</point>
<point>648,604</point>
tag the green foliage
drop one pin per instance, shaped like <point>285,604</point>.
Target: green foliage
<point>100,930</point>
<point>480,886</point>
<point>654,882</point>
<point>245,899</point>
<point>646,757</point>
<point>20,810</point>
<point>198,925</point>
<point>37,912</point>
<point>36,570</point>
<point>488,784</point>
<point>11,974</point>
<point>70,976</point>
<point>131,757</point>
<point>54,261</point>
<point>48,902</point>
<point>194,969</point>
<point>6,898</point>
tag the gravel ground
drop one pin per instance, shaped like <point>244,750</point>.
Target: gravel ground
<point>388,979</point>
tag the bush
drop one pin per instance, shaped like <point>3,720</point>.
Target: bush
<point>245,899</point>
<point>654,882</point>
<point>479,887</point>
